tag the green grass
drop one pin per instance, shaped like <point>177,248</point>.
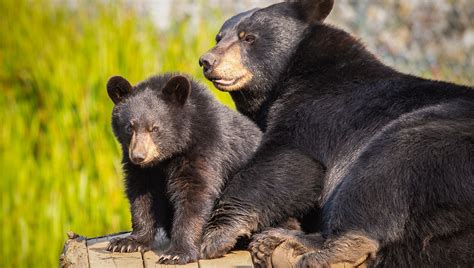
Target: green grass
<point>59,162</point>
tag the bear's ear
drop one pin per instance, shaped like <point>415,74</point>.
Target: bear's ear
<point>177,89</point>
<point>118,88</point>
<point>315,11</point>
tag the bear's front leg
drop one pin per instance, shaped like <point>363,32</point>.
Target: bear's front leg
<point>221,235</point>
<point>280,182</point>
<point>193,196</point>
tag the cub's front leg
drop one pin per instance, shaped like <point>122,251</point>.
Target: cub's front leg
<point>149,210</point>
<point>192,192</point>
<point>143,225</point>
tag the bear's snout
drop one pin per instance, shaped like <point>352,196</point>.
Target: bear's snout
<point>207,62</point>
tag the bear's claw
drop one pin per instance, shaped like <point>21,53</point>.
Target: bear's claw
<point>176,257</point>
<point>127,244</point>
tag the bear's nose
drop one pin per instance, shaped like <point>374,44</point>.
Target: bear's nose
<point>207,61</point>
<point>138,158</point>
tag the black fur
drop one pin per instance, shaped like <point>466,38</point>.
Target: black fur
<point>201,143</point>
<point>388,156</point>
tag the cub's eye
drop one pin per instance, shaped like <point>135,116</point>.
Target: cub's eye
<point>155,129</point>
<point>129,128</point>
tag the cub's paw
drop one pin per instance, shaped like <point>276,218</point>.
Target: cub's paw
<point>264,244</point>
<point>216,243</point>
<point>127,244</point>
<point>177,257</point>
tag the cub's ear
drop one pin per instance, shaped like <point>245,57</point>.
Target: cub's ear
<point>177,89</point>
<point>118,88</point>
<point>315,11</point>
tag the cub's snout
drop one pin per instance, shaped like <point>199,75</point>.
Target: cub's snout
<point>142,149</point>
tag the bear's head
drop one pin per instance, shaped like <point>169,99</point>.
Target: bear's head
<point>253,48</point>
<point>151,120</point>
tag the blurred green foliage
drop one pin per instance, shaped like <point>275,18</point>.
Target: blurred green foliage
<point>59,162</point>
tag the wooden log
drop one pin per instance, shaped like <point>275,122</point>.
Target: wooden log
<point>234,259</point>
<point>74,252</point>
<point>84,253</point>
<point>100,257</point>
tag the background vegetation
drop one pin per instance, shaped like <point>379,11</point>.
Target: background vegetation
<point>59,162</point>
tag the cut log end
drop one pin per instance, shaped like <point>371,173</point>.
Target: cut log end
<point>74,253</point>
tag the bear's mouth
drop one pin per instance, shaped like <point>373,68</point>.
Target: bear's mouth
<point>224,82</point>
<point>230,84</point>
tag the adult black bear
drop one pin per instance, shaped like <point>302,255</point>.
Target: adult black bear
<point>180,146</point>
<point>397,151</point>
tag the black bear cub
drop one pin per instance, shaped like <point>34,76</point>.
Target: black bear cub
<point>180,146</point>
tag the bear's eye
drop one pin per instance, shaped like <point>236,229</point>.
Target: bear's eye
<point>218,37</point>
<point>155,129</point>
<point>249,38</point>
<point>129,128</point>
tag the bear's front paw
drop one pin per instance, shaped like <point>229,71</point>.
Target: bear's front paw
<point>264,244</point>
<point>128,244</point>
<point>172,256</point>
<point>216,243</point>
<point>310,259</point>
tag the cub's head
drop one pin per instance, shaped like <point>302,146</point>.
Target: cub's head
<point>253,47</point>
<point>151,120</point>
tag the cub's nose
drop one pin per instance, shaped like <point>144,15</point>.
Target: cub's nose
<point>138,158</point>
<point>207,61</point>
